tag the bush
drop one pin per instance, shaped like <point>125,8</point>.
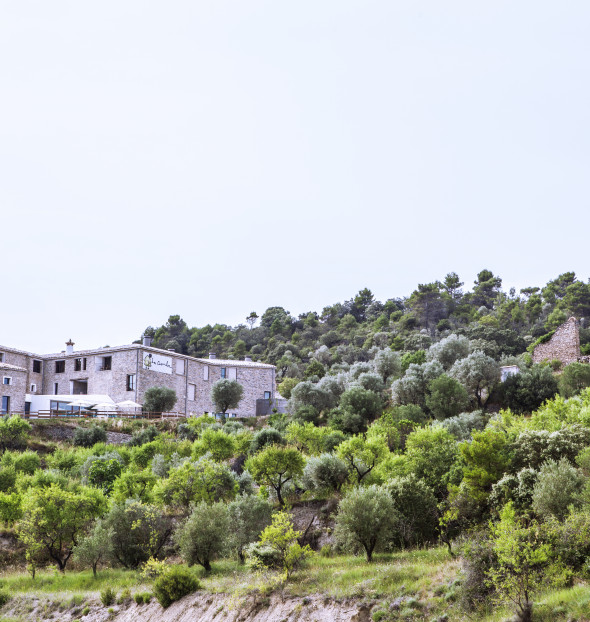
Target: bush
<point>13,432</point>
<point>143,436</point>
<point>4,597</point>
<point>325,472</point>
<point>87,437</point>
<point>558,486</point>
<point>174,584</point>
<point>574,378</point>
<point>266,436</point>
<point>526,391</point>
<point>142,598</point>
<point>108,596</point>
<point>27,462</point>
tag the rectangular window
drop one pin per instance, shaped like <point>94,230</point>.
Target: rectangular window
<point>232,373</point>
<point>223,372</point>
<point>36,367</point>
<point>5,404</point>
<point>192,390</point>
<point>267,395</point>
<point>131,382</point>
<point>1,357</point>
<point>56,389</point>
<point>180,367</point>
<point>6,380</point>
<point>205,373</point>
<point>80,364</point>
<point>33,388</point>
<point>60,367</point>
<point>107,363</point>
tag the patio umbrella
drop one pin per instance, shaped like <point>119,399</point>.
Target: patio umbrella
<point>128,404</point>
<point>108,406</point>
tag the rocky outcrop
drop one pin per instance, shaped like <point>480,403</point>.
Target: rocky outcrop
<point>202,607</point>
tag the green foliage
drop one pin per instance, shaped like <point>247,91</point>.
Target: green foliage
<point>14,431</point>
<point>103,473</point>
<point>431,455</point>
<point>286,386</point>
<point>522,560</point>
<point>204,534</point>
<point>10,507</point>
<point>264,437</point>
<point>134,484</point>
<point>140,531</point>
<point>108,596</point>
<point>526,391</point>
<point>159,399</point>
<point>446,397</point>
<point>485,458</point>
<point>174,584</point>
<point>95,547</point>
<point>192,482</point>
<point>248,516</point>
<point>325,473</point>
<point>87,437</point>
<point>361,402</point>
<point>574,378</point>
<point>226,394</point>
<point>479,374</point>
<point>412,358</point>
<point>365,519</point>
<point>276,466</point>
<point>416,511</point>
<point>145,435</point>
<point>283,540</point>
<point>362,455</point>
<point>54,519</point>
<point>559,486</point>
<point>219,445</point>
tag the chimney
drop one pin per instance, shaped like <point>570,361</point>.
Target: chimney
<point>69,347</point>
<point>212,355</point>
<point>147,341</point>
<point>248,359</point>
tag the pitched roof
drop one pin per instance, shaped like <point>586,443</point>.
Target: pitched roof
<point>7,367</point>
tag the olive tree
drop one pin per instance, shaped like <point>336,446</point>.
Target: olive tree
<point>365,519</point>
<point>249,515</point>
<point>479,374</point>
<point>275,466</point>
<point>226,394</point>
<point>159,399</point>
<point>204,534</point>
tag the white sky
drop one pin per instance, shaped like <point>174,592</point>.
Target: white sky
<point>214,158</point>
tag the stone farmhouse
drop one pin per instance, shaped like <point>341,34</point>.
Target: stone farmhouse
<point>33,382</point>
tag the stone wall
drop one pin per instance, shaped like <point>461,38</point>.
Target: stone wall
<point>16,389</point>
<point>564,345</point>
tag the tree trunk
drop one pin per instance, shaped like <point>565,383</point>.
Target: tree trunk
<point>207,565</point>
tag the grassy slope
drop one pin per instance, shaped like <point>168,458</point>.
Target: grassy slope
<point>424,579</point>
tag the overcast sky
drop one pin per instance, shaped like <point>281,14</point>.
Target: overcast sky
<point>213,158</point>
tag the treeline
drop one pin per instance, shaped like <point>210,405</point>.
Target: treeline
<point>503,323</point>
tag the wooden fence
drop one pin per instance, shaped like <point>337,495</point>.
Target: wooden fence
<point>99,414</point>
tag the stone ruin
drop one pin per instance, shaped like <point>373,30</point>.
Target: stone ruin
<point>564,345</point>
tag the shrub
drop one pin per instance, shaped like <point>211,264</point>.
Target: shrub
<point>325,472</point>
<point>142,598</point>
<point>266,436</point>
<point>143,436</point>
<point>462,425</point>
<point>558,486</point>
<point>174,584</point>
<point>526,391</point>
<point>249,515</point>
<point>27,462</point>
<point>108,596</point>
<point>4,597</point>
<point>574,378</point>
<point>13,432</point>
<point>87,437</point>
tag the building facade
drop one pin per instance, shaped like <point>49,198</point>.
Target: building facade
<point>38,382</point>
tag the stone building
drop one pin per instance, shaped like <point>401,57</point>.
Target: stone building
<point>563,346</point>
<point>51,381</point>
